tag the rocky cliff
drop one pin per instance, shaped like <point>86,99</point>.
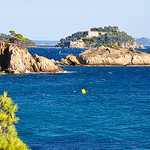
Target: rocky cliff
<point>15,60</point>
<point>106,56</point>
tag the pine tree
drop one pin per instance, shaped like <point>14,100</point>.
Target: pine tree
<point>8,133</point>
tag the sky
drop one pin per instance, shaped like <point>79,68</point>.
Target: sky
<point>56,19</point>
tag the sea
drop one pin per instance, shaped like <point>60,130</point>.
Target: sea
<point>114,114</point>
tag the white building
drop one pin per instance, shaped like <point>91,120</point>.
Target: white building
<point>93,33</point>
<point>103,33</point>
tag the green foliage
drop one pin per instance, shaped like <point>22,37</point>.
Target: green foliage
<point>19,37</point>
<point>12,33</point>
<point>112,46</point>
<point>4,37</point>
<point>88,41</point>
<point>110,35</point>
<point>139,52</point>
<point>29,42</point>
<point>8,133</point>
<point>13,36</point>
<point>100,29</point>
<point>74,37</point>
<point>131,49</point>
<point>105,29</point>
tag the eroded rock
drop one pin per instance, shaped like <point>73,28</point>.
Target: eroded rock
<point>106,56</point>
<point>15,60</point>
<point>113,57</point>
<point>69,60</point>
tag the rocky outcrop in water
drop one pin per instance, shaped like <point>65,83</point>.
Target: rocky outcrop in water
<point>141,47</point>
<point>16,60</point>
<point>106,56</point>
<point>69,60</point>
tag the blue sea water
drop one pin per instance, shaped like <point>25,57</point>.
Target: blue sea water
<point>55,115</point>
<point>55,53</point>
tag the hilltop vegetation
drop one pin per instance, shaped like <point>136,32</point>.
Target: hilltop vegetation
<point>113,35</point>
<point>28,42</point>
<point>107,35</point>
<point>74,37</point>
<point>6,38</point>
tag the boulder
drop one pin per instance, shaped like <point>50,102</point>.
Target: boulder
<point>19,60</point>
<point>70,60</point>
<point>141,47</point>
<point>15,60</point>
<point>45,65</point>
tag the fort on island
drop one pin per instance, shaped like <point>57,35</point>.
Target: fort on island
<point>110,35</point>
<point>80,43</point>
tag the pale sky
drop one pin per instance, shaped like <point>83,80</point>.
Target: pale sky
<point>55,19</point>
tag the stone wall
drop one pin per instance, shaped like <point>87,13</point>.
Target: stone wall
<point>77,44</point>
<point>93,33</point>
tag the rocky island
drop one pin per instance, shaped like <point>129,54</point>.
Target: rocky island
<point>108,55</point>
<point>98,36</point>
<point>15,58</point>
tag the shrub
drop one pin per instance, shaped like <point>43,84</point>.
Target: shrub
<point>8,133</point>
<point>131,49</point>
<point>112,46</point>
<point>139,52</point>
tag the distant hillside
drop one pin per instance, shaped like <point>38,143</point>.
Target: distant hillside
<point>98,36</point>
<point>45,42</point>
<point>143,41</point>
<point>5,38</point>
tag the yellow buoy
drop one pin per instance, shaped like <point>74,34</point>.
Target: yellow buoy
<point>83,91</point>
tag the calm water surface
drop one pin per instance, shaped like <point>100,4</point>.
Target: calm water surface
<point>54,115</point>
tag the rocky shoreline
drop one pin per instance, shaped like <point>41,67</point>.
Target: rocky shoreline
<point>16,60</point>
<point>106,56</point>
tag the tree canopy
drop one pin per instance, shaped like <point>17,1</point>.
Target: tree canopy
<point>88,41</point>
<point>12,33</point>
<point>16,36</point>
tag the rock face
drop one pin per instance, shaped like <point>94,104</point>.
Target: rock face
<point>69,60</point>
<point>106,56</point>
<point>45,65</point>
<point>16,60</point>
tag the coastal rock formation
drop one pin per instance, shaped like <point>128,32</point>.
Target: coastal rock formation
<point>126,45</point>
<point>15,60</point>
<point>141,47</point>
<point>45,65</point>
<point>106,56</point>
<point>69,60</point>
